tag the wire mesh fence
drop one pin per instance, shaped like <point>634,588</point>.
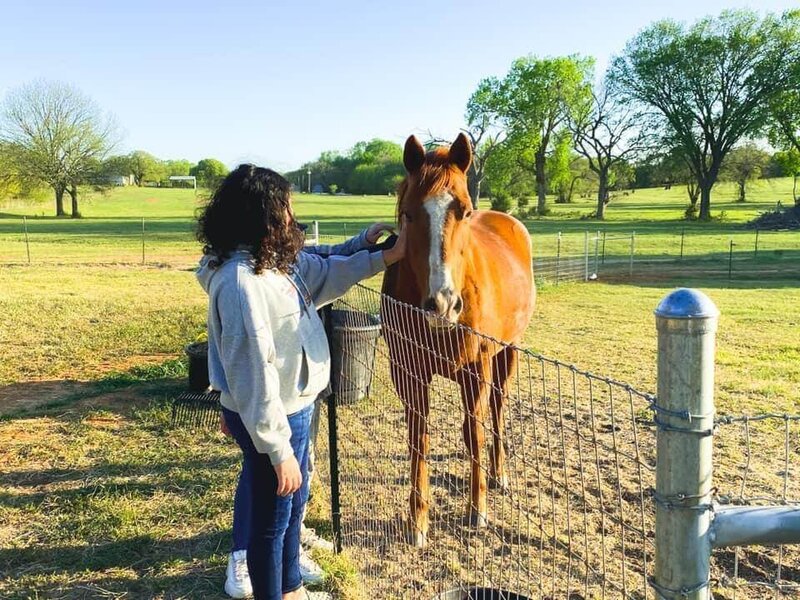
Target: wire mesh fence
<point>656,255</point>
<point>569,515</point>
<point>756,464</point>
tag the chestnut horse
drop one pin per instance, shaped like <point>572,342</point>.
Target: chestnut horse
<point>463,267</point>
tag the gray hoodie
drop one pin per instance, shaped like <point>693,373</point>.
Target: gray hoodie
<point>267,351</point>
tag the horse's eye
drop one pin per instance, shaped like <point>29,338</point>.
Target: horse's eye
<point>468,214</point>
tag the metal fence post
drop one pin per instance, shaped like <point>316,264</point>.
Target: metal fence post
<point>333,449</point>
<point>687,322</point>
<point>142,240</point>
<point>558,255</point>
<point>755,250</point>
<point>633,246</point>
<point>27,243</point>
<point>730,261</point>
<point>596,246</point>
<point>604,245</point>
<point>683,234</point>
<point>586,255</point>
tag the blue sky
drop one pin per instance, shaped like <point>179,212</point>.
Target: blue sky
<point>278,82</point>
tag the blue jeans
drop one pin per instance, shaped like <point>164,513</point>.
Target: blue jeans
<point>273,547</point>
<point>242,501</point>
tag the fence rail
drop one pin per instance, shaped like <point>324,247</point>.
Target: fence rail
<point>558,257</point>
<point>616,255</point>
<point>578,516</point>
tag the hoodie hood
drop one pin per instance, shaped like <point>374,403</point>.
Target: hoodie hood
<point>210,264</point>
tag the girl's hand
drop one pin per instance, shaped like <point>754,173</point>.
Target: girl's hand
<point>398,251</point>
<point>289,476</point>
<point>376,230</point>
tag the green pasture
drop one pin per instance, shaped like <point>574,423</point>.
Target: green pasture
<point>111,230</point>
<point>100,497</point>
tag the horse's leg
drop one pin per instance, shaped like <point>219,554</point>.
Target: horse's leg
<point>474,381</point>
<point>414,394</point>
<point>504,366</point>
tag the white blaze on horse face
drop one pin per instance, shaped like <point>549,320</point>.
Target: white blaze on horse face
<point>440,278</point>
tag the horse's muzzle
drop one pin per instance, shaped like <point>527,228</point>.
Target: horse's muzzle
<point>443,310</point>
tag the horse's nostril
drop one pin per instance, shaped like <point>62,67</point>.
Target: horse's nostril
<point>429,304</point>
<point>458,305</point>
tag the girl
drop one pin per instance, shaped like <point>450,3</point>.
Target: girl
<point>268,354</point>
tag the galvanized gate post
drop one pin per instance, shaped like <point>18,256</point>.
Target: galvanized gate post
<point>684,412</point>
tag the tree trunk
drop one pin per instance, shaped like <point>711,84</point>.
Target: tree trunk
<point>602,194</point>
<point>693,190</point>
<point>474,185</point>
<point>705,201</point>
<point>73,192</point>
<point>742,191</point>
<point>541,182</point>
<point>59,201</point>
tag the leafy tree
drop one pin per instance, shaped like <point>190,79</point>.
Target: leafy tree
<point>56,136</point>
<point>743,164</point>
<point>484,131</point>
<point>501,201</point>
<point>118,165</point>
<point>209,172</point>
<point>9,182</point>
<point>145,167</point>
<point>379,167</point>
<point>606,132</point>
<point>789,162</point>
<point>535,98</point>
<point>178,168</point>
<point>709,85</point>
<point>558,167</point>
<point>376,151</point>
<point>509,171</point>
<point>784,127</point>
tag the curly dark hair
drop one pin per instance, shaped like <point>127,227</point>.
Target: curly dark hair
<point>249,210</point>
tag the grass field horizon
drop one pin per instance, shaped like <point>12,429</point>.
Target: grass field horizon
<point>111,227</point>
<point>101,497</point>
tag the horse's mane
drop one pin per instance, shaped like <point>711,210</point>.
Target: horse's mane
<point>436,174</point>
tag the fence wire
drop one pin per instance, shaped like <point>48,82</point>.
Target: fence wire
<point>575,519</point>
<point>756,464</point>
<point>611,255</point>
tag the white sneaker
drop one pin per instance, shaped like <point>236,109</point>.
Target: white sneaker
<point>237,579</point>
<point>312,541</point>
<point>316,595</point>
<point>310,572</point>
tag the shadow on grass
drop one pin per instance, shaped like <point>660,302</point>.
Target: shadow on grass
<point>166,476</point>
<point>84,532</point>
<point>150,567</point>
<point>32,399</point>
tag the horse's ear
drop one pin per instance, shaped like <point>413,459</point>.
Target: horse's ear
<point>461,152</point>
<point>413,154</point>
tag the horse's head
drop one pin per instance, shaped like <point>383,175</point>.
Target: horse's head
<point>435,202</point>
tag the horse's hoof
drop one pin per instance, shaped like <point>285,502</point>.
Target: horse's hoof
<point>418,539</point>
<point>499,483</point>
<point>477,519</point>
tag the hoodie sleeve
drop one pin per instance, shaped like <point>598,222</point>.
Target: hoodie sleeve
<point>329,278</point>
<point>347,248</point>
<point>248,357</point>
